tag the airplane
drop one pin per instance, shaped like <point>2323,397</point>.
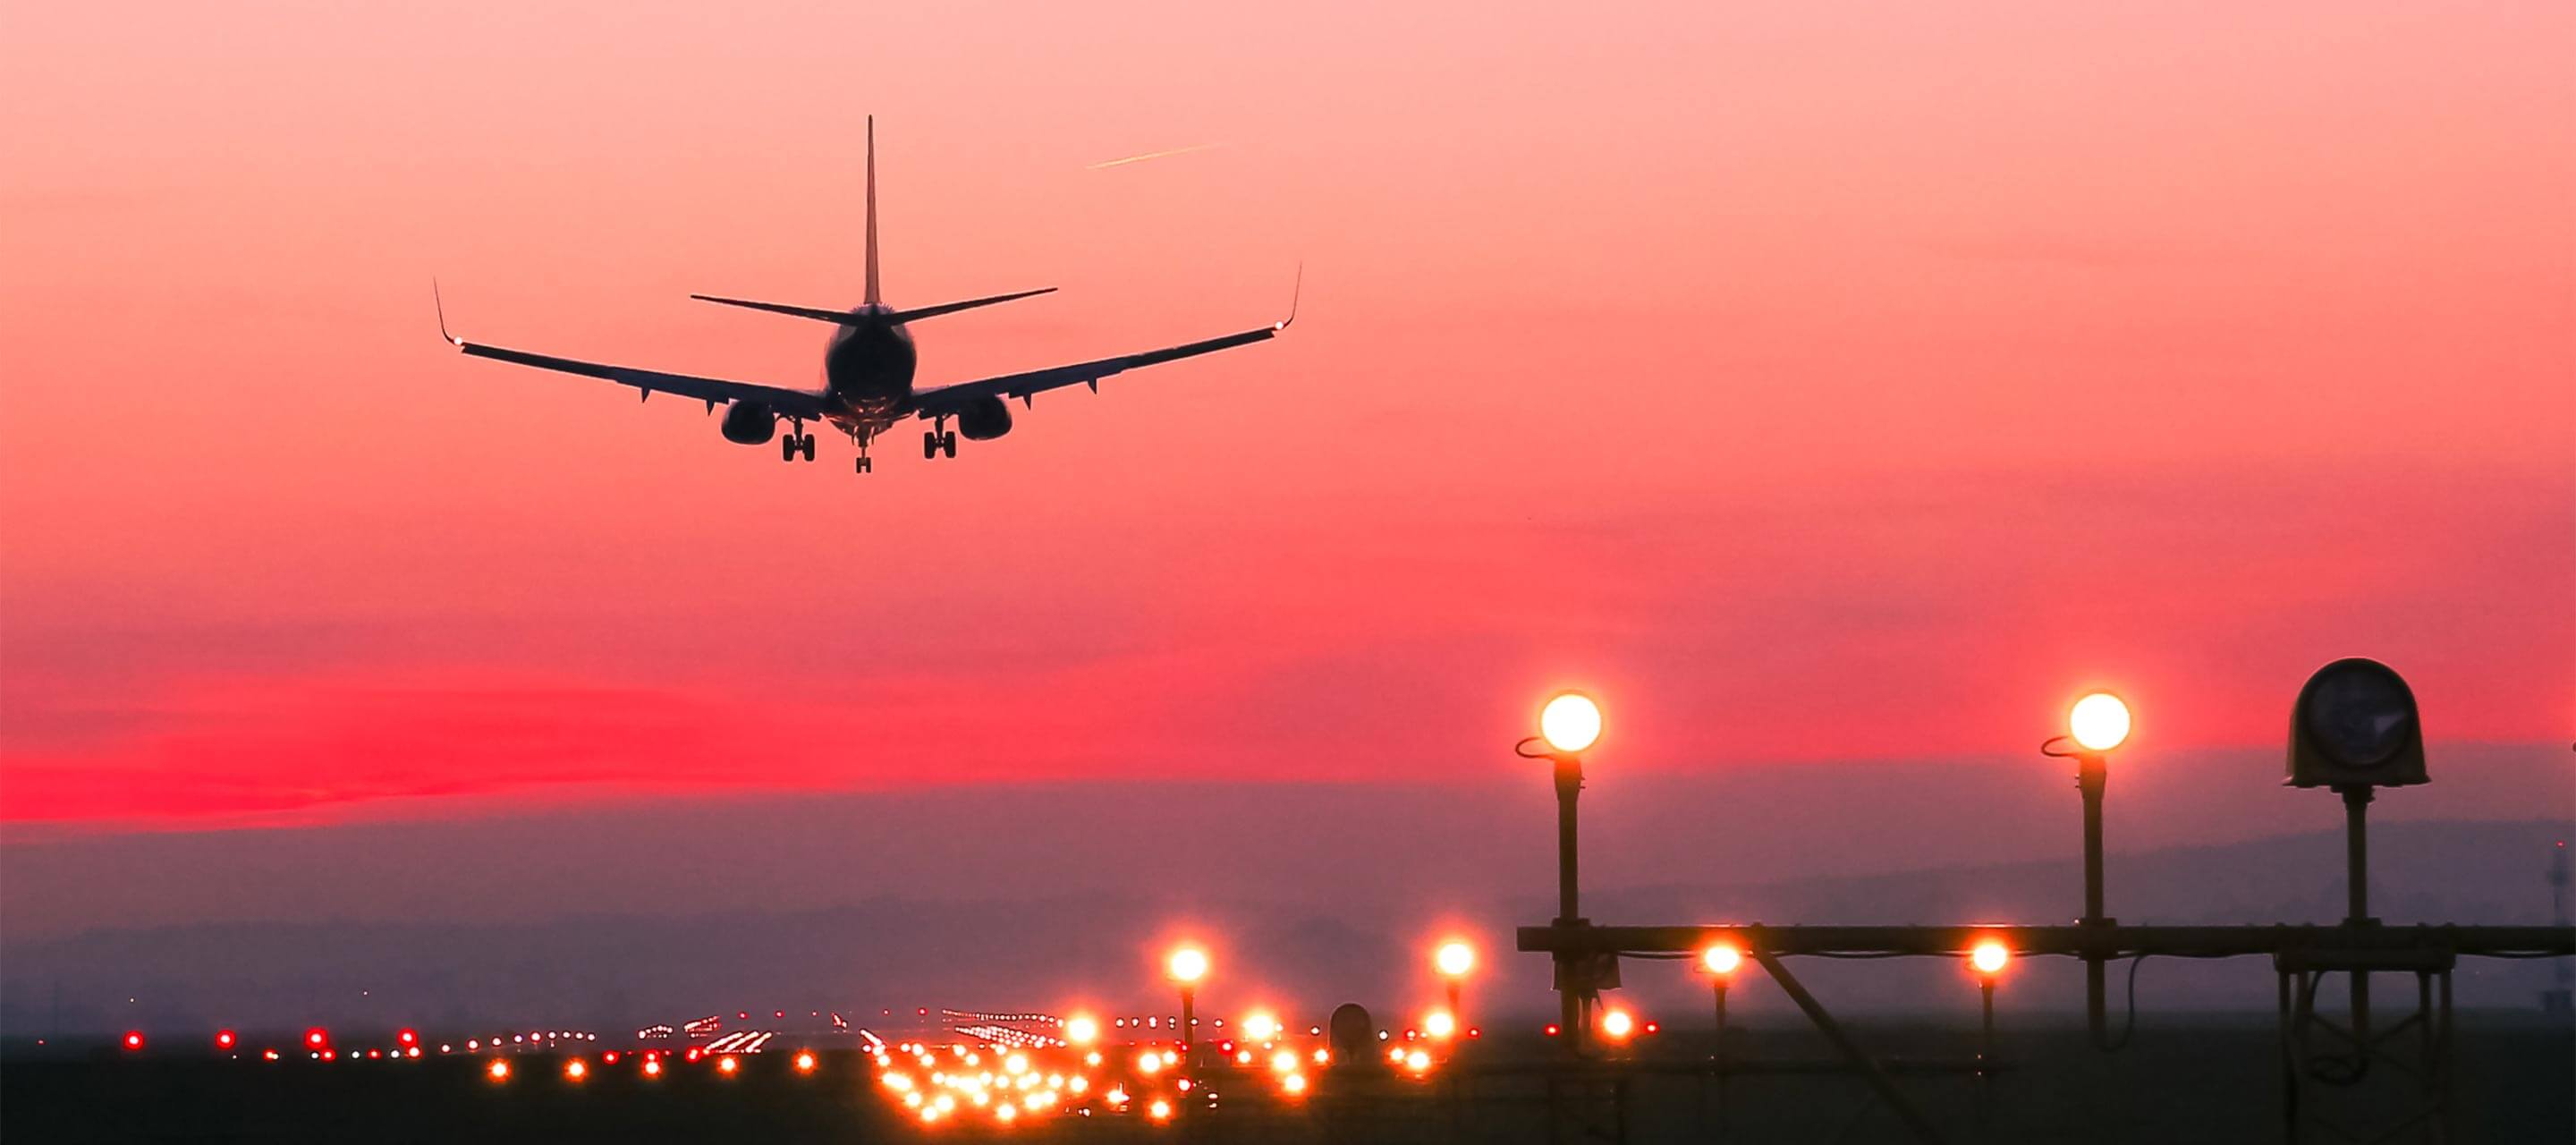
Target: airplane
<point>867,370</point>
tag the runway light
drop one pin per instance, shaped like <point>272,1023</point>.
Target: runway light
<point>224,1040</point>
<point>576,1069</point>
<point>1617,1024</point>
<point>652,1067</point>
<point>408,1037</point>
<point>1161,1110</point>
<point>1081,1029</point>
<point>1440,1024</point>
<point>1293,1083</point>
<point>1260,1026</point>
<point>1187,965</point>
<point>1454,958</point>
<point>1552,1031</point>
<point>1417,1061</point>
<point>805,1061</point>
<point>1570,723</point>
<point>1721,959</point>
<point>726,1065</point>
<point>1989,957</point>
<point>317,1037</point>
<point>499,1070</point>
<point>2099,722</point>
<point>133,1040</point>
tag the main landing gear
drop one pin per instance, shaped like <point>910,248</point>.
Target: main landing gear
<point>794,444</point>
<point>937,442</point>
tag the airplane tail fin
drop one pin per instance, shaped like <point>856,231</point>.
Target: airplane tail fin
<point>875,297</point>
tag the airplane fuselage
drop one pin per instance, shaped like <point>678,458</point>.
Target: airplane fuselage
<point>868,366</point>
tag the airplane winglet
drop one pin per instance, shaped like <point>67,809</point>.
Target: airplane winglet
<point>441,304</point>
<point>1293,293</point>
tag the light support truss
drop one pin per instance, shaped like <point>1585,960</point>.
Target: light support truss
<point>2302,954</point>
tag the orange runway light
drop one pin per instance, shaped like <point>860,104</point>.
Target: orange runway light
<point>499,1069</point>
<point>652,1067</point>
<point>1989,957</point>
<point>805,1062</point>
<point>1617,1024</point>
<point>1454,958</point>
<point>727,1065</point>
<point>1721,959</point>
<point>576,1069</point>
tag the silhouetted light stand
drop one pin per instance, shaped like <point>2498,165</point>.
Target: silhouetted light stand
<point>2096,725</point>
<point>1186,966</point>
<point>1568,726</point>
<point>1720,962</point>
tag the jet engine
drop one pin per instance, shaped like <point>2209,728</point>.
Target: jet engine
<point>749,423</point>
<point>984,419</point>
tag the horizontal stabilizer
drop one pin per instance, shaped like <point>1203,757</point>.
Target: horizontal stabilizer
<point>848,317</point>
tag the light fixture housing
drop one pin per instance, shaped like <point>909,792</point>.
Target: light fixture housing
<point>2355,725</point>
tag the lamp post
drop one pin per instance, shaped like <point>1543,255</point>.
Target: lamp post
<point>1719,962</point>
<point>1186,966</point>
<point>1569,724</point>
<point>1987,959</point>
<point>1454,960</point>
<point>2096,725</point>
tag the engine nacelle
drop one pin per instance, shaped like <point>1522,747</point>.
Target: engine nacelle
<point>749,423</point>
<point>984,419</point>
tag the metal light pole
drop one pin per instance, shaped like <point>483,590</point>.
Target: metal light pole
<point>1720,962</point>
<point>1987,959</point>
<point>2097,724</point>
<point>1569,723</point>
<point>1454,960</point>
<point>1186,966</point>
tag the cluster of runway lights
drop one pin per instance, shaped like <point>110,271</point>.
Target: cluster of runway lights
<point>1081,1075</point>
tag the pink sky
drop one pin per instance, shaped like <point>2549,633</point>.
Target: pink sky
<point>1815,384</point>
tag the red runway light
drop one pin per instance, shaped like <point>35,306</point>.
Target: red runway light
<point>224,1039</point>
<point>409,1037</point>
<point>1551,1029</point>
<point>317,1037</point>
<point>133,1040</point>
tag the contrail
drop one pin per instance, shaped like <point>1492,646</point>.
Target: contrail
<point>1152,155</point>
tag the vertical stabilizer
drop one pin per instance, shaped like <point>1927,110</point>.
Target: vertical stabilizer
<point>874,297</point>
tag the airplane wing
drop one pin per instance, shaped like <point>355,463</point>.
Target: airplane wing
<point>947,400</point>
<point>791,402</point>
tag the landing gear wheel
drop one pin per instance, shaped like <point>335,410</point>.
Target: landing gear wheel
<point>787,448</point>
<point>929,446</point>
<point>948,443</point>
<point>865,467</point>
<point>808,447</point>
